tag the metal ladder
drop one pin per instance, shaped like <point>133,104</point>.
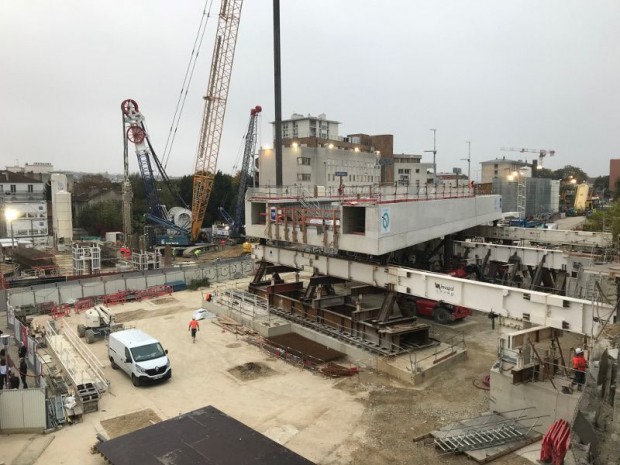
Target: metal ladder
<point>473,440</point>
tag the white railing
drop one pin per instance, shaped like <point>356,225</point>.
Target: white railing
<point>66,354</point>
<point>374,193</point>
<point>93,362</point>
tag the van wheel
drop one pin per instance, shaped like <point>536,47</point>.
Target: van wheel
<point>441,315</point>
<point>81,330</point>
<point>113,364</point>
<point>135,380</point>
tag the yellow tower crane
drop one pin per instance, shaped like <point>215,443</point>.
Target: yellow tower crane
<point>214,111</point>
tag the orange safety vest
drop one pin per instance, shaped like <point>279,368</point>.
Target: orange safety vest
<point>194,324</point>
<point>579,363</point>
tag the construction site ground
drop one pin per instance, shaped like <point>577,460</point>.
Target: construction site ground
<point>367,419</point>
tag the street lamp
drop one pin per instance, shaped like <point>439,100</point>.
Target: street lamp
<point>434,154</point>
<point>468,160</point>
<point>11,215</point>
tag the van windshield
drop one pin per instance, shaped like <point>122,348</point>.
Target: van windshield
<point>147,352</point>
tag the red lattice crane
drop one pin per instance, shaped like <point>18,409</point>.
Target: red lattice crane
<point>214,111</point>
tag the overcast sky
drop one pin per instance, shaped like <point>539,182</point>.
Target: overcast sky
<point>536,74</point>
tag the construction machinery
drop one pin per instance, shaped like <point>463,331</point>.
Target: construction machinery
<point>99,322</point>
<point>214,111</point>
<point>439,311</point>
<point>231,228</point>
<point>247,166</point>
<point>171,226</point>
<point>542,153</point>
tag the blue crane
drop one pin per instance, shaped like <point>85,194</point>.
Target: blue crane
<point>246,167</point>
<point>157,213</point>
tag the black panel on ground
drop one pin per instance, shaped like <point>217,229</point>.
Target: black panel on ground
<point>206,436</point>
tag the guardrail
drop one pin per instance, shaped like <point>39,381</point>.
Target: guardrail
<point>65,352</point>
<point>392,192</point>
<point>93,362</point>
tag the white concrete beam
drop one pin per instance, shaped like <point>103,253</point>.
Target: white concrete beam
<point>540,308</point>
<point>530,256</point>
<point>546,236</point>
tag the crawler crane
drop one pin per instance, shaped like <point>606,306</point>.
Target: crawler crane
<point>214,111</point>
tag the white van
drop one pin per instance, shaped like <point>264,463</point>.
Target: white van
<point>139,355</point>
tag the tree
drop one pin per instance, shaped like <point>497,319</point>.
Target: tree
<point>568,171</point>
<point>101,217</point>
<point>607,219</point>
<point>545,173</point>
<point>601,186</point>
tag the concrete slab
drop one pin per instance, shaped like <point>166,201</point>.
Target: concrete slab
<point>33,450</point>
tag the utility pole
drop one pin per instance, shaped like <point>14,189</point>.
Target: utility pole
<point>277,74</point>
<point>468,160</point>
<point>434,151</point>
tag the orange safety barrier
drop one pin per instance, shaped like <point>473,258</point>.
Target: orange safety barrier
<point>555,443</point>
<point>83,304</point>
<point>116,298</point>
<point>59,311</point>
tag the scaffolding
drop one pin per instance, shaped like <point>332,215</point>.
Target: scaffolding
<point>86,258</point>
<point>146,260</point>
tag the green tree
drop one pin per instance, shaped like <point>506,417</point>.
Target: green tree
<point>568,171</point>
<point>545,173</point>
<point>607,219</point>
<point>601,186</point>
<point>101,217</point>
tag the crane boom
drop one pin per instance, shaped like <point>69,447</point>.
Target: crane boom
<point>250,147</point>
<point>542,153</point>
<point>214,111</point>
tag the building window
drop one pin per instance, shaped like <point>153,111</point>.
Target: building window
<point>303,176</point>
<point>13,188</point>
<point>495,172</point>
<point>303,161</point>
<point>417,170</point>
<point>495,166</point>
<point>30,188</point>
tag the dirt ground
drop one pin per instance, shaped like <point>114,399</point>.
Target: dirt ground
<point>367,419</point>
<point>124,424</point>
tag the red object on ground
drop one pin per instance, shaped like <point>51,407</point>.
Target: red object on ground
<point>555,443</point>
<point>83,304</point>
<point>60,310</point>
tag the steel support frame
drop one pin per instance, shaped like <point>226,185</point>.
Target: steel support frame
<point>575,315</point>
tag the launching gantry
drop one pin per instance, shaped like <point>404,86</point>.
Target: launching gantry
<point>539,308</point>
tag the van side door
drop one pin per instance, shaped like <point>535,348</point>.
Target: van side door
<point>127,362</point>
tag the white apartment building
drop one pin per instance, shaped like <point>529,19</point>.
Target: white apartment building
<point>23,208</point>
<point>320,166</point>
<point>409,170</point>
<point>300,126</point>
<point>314,154</point>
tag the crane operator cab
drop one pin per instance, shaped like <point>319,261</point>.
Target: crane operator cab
<point>139,355</point>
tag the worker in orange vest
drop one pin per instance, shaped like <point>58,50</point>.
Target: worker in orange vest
<point>194,327</point>
<point>579,366</point>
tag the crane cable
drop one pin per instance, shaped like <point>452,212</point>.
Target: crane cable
<point>189,72</point>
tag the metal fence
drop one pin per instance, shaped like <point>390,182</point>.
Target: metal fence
<point>58,293</point>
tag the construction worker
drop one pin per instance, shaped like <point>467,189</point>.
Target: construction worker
<point>579,366</point>
<point>23,372</point>
<point>194,327</point>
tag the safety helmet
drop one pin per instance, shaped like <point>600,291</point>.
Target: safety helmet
<point>579,350</point>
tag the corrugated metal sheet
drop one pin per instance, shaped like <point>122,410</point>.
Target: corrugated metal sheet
<point>22,409</point>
